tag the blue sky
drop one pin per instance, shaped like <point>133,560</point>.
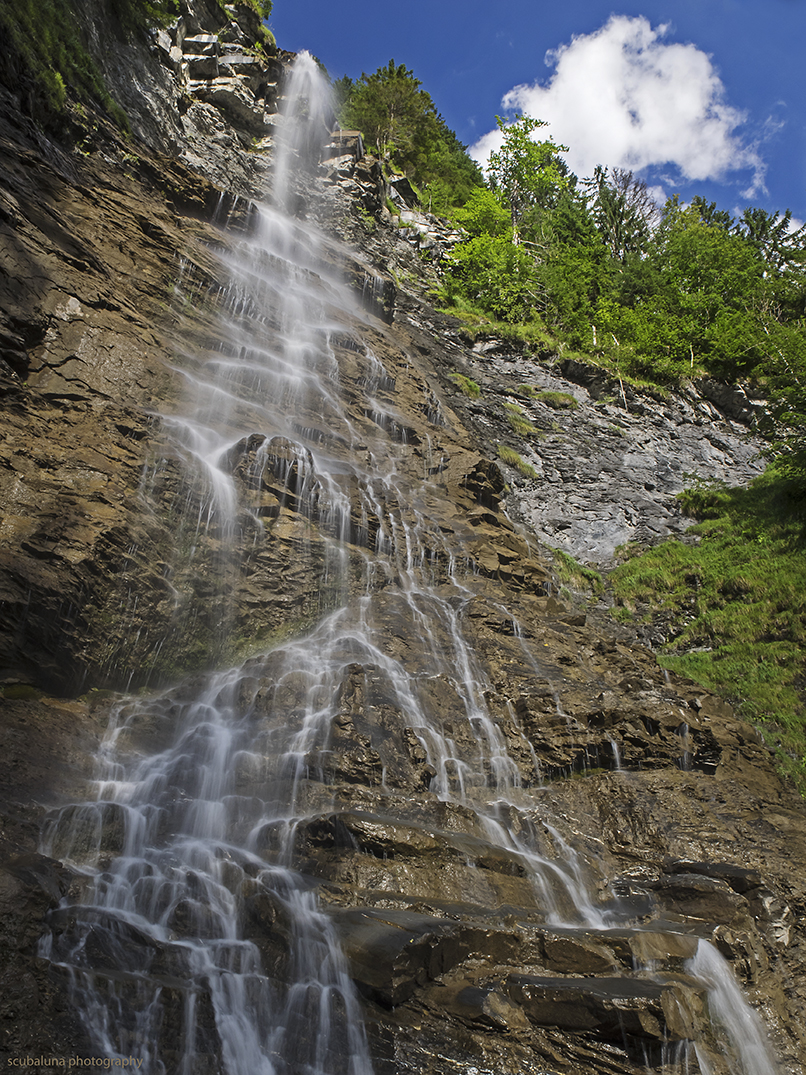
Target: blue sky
<point>696,96</point>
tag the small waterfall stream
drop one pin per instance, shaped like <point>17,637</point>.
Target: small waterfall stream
<point>198,945</point>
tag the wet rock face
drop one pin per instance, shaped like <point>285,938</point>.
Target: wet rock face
<point>47,749</point>
<point>451,944</point>
<point>637,790</point>
<point>104,581</point>
<point>82,366</point>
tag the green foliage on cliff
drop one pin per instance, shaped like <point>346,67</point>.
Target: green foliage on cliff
<point>263,8</point>
<point>558,401</point>
<point>465,385</point>
<point>514,459</point>
<point>518,421</point>
<point>134,15</point>
<point>400,122</point>
<point>656,295</point>
<point>45,57</point>
<point>496,275</point>
<point>575,574</point>
<point>736,603</point>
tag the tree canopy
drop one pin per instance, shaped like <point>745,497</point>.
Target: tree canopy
<point>400,122</point>
<point>526,173</point>
<point>659,294</point>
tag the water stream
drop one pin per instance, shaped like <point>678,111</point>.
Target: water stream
<point>198,945</point>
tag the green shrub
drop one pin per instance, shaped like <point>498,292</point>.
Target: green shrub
<point>465,385</point>
<point>512,459</point>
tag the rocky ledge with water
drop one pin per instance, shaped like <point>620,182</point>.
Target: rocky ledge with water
<point>377,800</point>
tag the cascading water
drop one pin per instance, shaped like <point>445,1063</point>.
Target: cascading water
<point>738,1028</point>
<point>159,942</point>
<point>199,944</point>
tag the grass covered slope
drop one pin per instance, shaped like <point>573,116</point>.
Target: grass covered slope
<point>735,603</point>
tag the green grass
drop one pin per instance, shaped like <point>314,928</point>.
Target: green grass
<point>520,424</point>
<point>533,336</point>
<point>621,614</point>
<point>737,604</point>
<point>512,459</point>
<point>645,379</point>
<point>465,385</point>
<point>558,401</point>
<point>574,574</point>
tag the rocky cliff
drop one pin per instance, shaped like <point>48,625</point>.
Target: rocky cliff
<point>518,828</point>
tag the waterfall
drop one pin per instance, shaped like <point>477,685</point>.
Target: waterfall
<point>198,943</point>
<point>736,1027</point>
<point>161,967</point>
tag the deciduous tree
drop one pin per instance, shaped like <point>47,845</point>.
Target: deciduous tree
<point>526,172</point>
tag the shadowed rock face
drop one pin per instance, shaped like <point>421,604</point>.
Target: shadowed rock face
<point>662,808</point>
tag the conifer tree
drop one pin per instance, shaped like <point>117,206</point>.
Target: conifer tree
<point>400,121</point>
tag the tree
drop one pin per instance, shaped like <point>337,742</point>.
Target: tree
<point>785,380</point>
<point>777,242</point>
<point>444,170</point>
<point>697,306</point>
<point>525,172</point>
<point>399,119</point>
<point>572,265</point>
<point>623,210</point>
<point>496,275</point>
<point>709,214</point>
<point>395,115</point>
<point>484,214</point>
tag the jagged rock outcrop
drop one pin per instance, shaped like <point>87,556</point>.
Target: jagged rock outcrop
<point>608,459</point>
<point>666,805</point>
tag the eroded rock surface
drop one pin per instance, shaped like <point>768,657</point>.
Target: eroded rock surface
<point>607,459</point>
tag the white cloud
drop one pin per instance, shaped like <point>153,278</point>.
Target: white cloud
<point>621,97</point>
<point>658,194</point>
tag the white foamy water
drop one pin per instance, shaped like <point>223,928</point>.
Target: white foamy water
<point>736,1026</point>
